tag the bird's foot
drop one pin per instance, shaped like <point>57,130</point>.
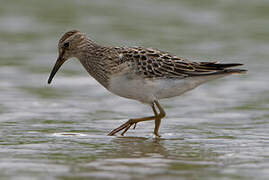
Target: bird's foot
<point>126,126</point>
<point>157,135</point>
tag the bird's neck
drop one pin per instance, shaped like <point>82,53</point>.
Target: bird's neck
<point>93,58</point>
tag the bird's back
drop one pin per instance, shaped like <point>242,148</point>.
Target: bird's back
<point>153,64</point>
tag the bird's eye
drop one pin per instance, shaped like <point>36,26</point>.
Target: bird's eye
<point>66,45</point>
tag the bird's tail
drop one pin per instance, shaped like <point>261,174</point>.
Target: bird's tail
<point>220,68</point>
<point>235,71</point>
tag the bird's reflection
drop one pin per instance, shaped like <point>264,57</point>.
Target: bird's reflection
<point>138,147</point>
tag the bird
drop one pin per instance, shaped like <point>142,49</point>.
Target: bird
<point>143,74</point>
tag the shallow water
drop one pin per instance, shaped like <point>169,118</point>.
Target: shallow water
<point>58,131</point>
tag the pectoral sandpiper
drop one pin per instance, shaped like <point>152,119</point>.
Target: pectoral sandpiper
<point>143,74</point>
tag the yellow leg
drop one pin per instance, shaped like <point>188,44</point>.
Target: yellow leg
<point>128,124</point>
<point>157,117</point>
<point>131,122</point>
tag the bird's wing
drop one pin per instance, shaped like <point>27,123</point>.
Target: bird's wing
<point>152,63</point>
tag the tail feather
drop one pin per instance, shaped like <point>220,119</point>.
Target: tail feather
<point>235,71</point>
<point>219,66</point>
<point>215,68</point>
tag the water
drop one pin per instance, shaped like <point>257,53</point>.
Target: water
<point>58,131</point>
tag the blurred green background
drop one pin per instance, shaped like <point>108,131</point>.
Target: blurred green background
<point>218,131</point>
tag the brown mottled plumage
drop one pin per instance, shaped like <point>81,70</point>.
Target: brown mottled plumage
<point>152,63</point>
<point>143,74</point>
<point>67,35</point>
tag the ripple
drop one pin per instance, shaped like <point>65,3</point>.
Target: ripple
<point>65,134</point>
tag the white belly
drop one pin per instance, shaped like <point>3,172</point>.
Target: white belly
<point>148,90</point>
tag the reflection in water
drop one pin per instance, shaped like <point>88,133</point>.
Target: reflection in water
<point>138,147</point>
<point>125,157</point>
<point>130,156</point>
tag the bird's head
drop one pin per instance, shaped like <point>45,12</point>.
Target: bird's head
<point>68,47</point>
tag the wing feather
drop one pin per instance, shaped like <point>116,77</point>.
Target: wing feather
<point>153,63</point>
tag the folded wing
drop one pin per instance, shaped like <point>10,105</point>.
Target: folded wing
<point>152,63</point>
